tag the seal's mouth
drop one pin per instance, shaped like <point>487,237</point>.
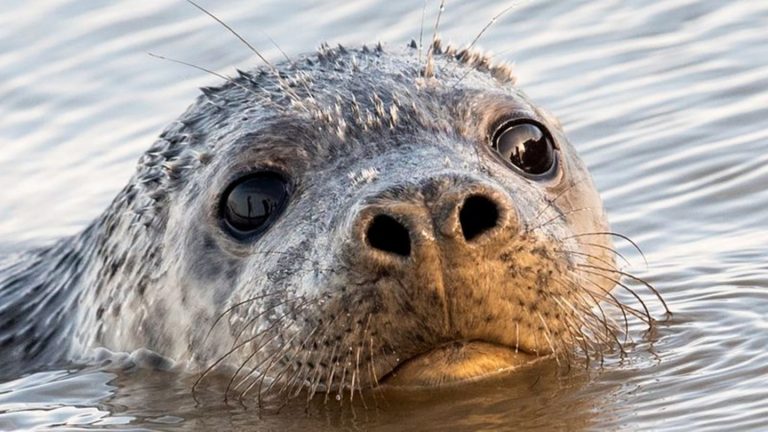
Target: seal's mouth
<point>457,362</point>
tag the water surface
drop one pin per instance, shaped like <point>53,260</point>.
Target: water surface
<point>667,102</point>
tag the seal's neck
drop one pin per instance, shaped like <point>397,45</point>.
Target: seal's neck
<point>51,298</point>
<point>39,291</point>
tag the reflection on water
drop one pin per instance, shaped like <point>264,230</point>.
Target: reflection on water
<point>540,398</point>
<point>666,101</point>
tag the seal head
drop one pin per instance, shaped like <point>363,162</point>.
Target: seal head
<point>353,217</point>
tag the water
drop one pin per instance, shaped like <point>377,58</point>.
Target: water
<point>667,102</point>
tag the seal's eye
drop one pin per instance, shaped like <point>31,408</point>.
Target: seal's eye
<point>527,146</point>
<point>252,203</point>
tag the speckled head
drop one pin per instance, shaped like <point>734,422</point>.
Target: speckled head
<point>353,217</point>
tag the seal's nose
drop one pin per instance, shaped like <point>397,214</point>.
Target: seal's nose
<point>399,227</point>
<point>386,234</point>
<point>477,215</point>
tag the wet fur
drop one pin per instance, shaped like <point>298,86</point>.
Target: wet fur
<point>352,128</point>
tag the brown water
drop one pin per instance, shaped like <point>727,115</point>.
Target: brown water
<point>667,102</point>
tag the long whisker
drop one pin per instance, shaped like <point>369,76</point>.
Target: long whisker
<point>331,372</point>
<point>253,49</point>
<point>429,67</point>
<point>324,359</point>
<point>585,311</point>
<point>262,375</point>
<point>479,35</point>
<point>274,44</point>
<point>609,249</point>
<point>280,374</point>
<point>587,255</point>
<point>583,339</point>
<point>236,34</point>
<point>560,216</point>
<point>490,23</point>
<point>631,291</point>
<point>231,384</point>
<point>598,339</point>
<point>264,343</point>
<point>343,379</point>
<point>633,277</point>
<point>210,368</point>
<point>421,30</point>
<point>232,308</point>
<point>372,364</point>
<point>547,334</point>
<point>253,319</point>
<point>551,203</point>
<point>613,234</point>
<point>296,377</point>
<point>608,331</point>
<point>357,361</point>
<point>216,74</point>
<point>623,307</point>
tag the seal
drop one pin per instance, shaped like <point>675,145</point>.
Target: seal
<point>349,218</point>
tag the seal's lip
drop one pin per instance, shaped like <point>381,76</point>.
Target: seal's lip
<point>457,362</point>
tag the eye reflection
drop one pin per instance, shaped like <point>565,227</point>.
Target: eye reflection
<point>527,146</point>
<point>253,202</point>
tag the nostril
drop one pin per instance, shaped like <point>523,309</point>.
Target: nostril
<point>478,214</point>
<point>387,234</point>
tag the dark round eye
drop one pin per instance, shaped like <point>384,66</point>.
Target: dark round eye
<point>527,146</point>
<point>252,203</point>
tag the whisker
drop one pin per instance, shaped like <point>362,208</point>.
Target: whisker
<point>584,340</point>
<point>421,30</point>
<point>584,311</point>
<point>235,33</point>
<point>339,394</point>
<point>287,89</point>
<point>274,44</point>
<point>296,379</point>
<point>618,304</point>
<point>260,97</point>
<point>210,368</point>
<point>479,35</point>
<point>331,373</point>
<point>372,367</point>
<point>491,23</point>
<point>547,334</point>
<point>613,234</point>
<point>324,359</point>
<point>560,216</point>
<point>609,327</point>
<point>633,277</point>
<point>232,308</point>
<point>262,375</point>
<point>299,383</point>
<point>256,351</point>
<point>250,322</point>
<point>623,308</point>
<point>631,291</point>
<point>587,255</point>
<point>609,249</point>
<point>357,362</point>
<point>429,67</point>
<point>550,203</point>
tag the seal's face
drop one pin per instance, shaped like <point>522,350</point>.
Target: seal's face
<point>354,222</point>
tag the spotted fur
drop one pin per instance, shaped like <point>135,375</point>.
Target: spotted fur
<point>305,306</point>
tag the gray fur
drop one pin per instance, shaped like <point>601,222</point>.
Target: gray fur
<point>355,130</point>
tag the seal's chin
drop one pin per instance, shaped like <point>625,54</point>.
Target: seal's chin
<point>456,362</point>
